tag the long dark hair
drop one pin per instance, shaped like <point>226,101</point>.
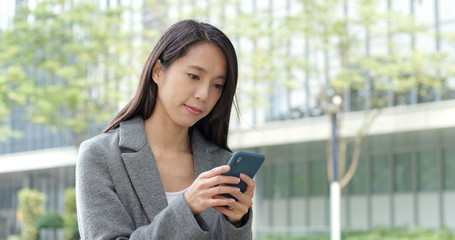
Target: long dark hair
<point>172,45</point>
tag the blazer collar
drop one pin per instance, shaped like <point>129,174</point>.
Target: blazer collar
<point>141,165</point>
<point>132,135</point>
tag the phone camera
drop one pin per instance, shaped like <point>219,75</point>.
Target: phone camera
<point>238,161</point>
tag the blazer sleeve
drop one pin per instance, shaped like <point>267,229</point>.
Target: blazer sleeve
<point>102,215</point>
<point>223,229</point>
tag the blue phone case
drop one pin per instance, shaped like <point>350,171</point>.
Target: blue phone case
<point>244,162</point>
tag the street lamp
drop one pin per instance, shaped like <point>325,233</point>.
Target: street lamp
<point>334,108</point>
<point>335,192</point>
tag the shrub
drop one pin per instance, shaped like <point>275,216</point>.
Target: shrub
<point>70,227</point>
<point>375,234</point>
<point>29,209</point>
<point>51,220</point>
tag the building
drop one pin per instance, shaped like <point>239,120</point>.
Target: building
<point>405,174</point>
<point>404,178</point>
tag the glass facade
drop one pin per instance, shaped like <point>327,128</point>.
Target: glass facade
<point>403,172</point>
<point>33,136</point>
<point>358,184</point>
<point>449,169</point>
<point>317,178</point>
<point>36,136</point>
<point>279,183</point>
<point>399,172</point>
<point>380,174</point>
<point>428,170</point>
<point>298,179</point>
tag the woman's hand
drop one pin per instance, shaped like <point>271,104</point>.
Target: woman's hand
<point>202,194</point>
<point>235,211</point>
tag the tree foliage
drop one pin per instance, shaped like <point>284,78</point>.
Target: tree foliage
<point>362,42</point>
<point>64,62</point>
<point>368,59</point>
<point>359,50</point>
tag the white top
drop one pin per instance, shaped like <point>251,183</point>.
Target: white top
<point>171,196</point>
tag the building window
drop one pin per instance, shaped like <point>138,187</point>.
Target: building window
<point>428,171</point>
<point>266,180</point>
<point>279,181</point>
<point>381,174</point>
<point>298,179</point>
<point>358,184</point>
<point>317,178</point>
<point>403,172</point>
<point>449,169</point>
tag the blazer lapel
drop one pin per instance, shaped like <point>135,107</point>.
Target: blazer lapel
<point>141,166</point>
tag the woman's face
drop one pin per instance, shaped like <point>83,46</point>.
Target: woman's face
<point>191,86</point>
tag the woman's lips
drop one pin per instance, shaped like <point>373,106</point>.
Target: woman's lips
<point>193,110</point>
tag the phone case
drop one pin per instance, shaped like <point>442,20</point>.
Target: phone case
<point>244,162</point>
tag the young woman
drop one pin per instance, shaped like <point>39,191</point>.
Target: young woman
<point>155,172</point>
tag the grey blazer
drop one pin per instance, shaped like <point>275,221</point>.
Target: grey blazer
<point>119,193</point>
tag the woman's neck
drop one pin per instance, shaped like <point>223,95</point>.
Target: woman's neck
<point>164,136</point>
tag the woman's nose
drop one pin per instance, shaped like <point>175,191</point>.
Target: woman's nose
<point>202,92</point>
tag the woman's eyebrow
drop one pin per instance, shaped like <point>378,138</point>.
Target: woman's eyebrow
<point>199,68</point>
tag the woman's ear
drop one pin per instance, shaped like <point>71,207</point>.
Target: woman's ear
<point>157,72</point>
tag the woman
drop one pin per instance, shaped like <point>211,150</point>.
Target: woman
<point>155,172</point>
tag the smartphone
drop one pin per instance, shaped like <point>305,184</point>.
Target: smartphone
<point>243,162</point>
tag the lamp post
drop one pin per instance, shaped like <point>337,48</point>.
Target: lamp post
<point>335,192</point>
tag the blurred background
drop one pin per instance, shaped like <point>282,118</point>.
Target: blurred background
<point>367,82</point>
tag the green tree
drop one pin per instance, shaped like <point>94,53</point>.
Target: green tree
<point>68,62</point>
<point>29,209</point>
<point>388,71</point>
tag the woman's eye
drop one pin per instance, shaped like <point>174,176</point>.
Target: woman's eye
<point>219,86</point>
<point>192,76</point>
